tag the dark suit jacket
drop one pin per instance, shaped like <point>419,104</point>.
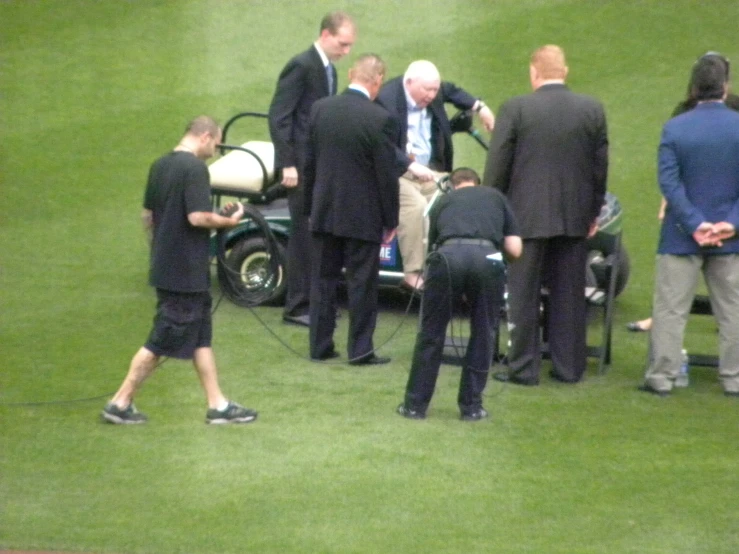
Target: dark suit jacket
<point>350,177</point>
<point>301,82</point>
<point>549,156</point>
<point>699,176</point>
<point>392,97</point>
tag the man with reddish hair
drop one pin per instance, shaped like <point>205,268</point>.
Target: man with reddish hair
<point>549,156</point>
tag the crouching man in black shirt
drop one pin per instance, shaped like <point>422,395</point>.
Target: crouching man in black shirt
<point>177,214</point>
<point>467,226</point>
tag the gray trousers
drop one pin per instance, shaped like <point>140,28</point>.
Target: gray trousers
<point>674,290</point>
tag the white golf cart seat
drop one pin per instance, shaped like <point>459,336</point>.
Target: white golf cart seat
<point>242,173</point>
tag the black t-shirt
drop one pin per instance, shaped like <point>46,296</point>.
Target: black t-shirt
<point>472,212</point>
<point>179,184</point>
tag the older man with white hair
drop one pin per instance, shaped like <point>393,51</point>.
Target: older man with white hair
<point>423,150</point>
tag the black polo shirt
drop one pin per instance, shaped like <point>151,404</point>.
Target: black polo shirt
<point>179,184</point>
<point>472,212</point>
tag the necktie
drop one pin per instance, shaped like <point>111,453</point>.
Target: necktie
<point>330,78</point>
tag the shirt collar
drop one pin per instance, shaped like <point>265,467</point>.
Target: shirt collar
<point>359,88</point>
<point>412,106</point>
<point>321,53</point>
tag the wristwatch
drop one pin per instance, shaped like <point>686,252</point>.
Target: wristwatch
<point>480,106</point>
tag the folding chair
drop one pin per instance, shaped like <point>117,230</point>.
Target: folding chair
<point>604,298</point>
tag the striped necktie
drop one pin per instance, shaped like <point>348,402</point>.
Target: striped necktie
<point>330,78</point>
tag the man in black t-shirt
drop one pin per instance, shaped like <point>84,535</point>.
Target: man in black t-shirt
<point>473,228</point>
<point>177,214</point>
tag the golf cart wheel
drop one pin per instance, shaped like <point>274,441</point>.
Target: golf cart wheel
<point>250,259</point>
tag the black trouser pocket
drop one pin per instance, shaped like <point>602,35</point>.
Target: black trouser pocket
<point>172,323</point>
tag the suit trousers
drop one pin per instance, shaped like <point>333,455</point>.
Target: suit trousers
<point>298,256</point>
<point>362,262</point>
<point>413,226</point>
<point>675,285</point>
<point>557,263</point>
<point>451,272</point>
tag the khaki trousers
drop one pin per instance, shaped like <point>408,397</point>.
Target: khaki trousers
<point>675,286</point>
<point>413,226</point>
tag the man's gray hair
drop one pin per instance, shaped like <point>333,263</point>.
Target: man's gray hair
<point>422,69</point>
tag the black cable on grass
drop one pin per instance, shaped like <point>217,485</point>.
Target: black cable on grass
<point>334,362</point>
<point>70,401</point>
<point>236,290</point>
<point>252,299</point>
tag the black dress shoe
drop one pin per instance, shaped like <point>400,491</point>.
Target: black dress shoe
<point>330,356</point>
<point>506,377</point>
<point>557,377</point>
<point>410,413</point>
<point>475,415</point>
<point>370,360</point>
<point>651,390</point>
<point>732,393</point>
<point>303,320</point>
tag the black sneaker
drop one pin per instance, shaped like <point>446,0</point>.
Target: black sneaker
<point>234,413</point>
<point>409,413</point>
<point>476,415</point>
<point>128,416</point>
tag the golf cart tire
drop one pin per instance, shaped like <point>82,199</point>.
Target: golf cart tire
<point>250,258</point>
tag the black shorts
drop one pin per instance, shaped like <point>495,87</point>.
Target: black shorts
<point>182,324</point>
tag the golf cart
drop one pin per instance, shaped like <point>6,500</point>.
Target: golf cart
<point>252,264</point>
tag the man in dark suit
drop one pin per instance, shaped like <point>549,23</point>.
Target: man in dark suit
<point>351,196</point>
<point>423,147</point>
<point>549,156</point>
<point>306,78</point>
<point>699,178</point>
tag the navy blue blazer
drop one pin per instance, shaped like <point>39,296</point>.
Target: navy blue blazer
<point>698,169</point>
<point>392,98</point>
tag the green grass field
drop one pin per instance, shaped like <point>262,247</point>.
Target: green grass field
<point>91,92</point>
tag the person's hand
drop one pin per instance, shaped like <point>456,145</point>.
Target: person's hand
<point>723,230</point>
<point>421,172</point>
<point>388,235</point>
<point>703,234</point>
<point>290,177</point>
<point>593,229</point>
<point>487,118</point>
<point>662,209</point>
<point>233,210</point>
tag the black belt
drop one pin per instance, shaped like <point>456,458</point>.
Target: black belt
<point>475,242</point>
